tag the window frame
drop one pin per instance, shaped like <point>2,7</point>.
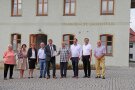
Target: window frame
<point>12,8</point>
<point>107,35</point>
<point>12,39</point>
<point>130,56</point>
<point>101,13</point>
<point>68,38</point>
<point>43,13</point>
<point>130,45</point>
<point>69,14</point>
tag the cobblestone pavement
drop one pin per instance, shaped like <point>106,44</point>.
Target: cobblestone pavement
<point>118,78</point>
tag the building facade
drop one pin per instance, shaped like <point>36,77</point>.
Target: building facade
<point>35,21</point>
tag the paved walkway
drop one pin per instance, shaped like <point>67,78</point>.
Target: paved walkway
<point>118,78</point>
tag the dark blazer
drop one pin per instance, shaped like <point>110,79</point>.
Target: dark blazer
<point>48,51</point>
<point>29,53</point>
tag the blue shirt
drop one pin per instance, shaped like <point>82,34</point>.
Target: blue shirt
<point>41,53</point>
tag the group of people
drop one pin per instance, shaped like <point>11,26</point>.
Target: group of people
<point>46,57</point>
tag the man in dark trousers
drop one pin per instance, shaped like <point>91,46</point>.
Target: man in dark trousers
<point>86,58</point>
<point>76,54</point>
<point>50,51</point>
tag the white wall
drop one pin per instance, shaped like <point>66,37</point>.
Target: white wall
<point>87,21</point>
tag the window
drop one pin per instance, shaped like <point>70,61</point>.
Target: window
<point>16,8</point>
<point>107,41</point>
<point>69,7</point>
<point>68,39</point>
<point>130,56</point>
<point>42,7</point>
<point>107,7</point>
<point>16,41</point>
<point>131,45</point>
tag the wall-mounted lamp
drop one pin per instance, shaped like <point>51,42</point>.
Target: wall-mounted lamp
<point>40,30</point>
<point>79,32</point>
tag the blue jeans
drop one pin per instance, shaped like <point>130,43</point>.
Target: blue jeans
<point>42,68</point>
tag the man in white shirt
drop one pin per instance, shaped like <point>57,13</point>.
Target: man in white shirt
<point>86,58</point>
<point>42,60</point>
<point>76,53</point>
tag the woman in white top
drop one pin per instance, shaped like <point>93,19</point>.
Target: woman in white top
<point>32,58</point>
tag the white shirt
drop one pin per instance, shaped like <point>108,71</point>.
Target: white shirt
<point>52,50</point>
<point>41,53</point>
<point>87,49</point>
<point>33,54</point>
<point>76,50</point>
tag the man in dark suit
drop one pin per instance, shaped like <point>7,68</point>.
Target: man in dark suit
<point>50,51</point>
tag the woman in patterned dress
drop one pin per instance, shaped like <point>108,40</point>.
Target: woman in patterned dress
<point>22,60</point>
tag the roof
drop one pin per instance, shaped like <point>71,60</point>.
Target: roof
<point>132,36</point>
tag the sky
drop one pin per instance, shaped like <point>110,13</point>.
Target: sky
<point>132,19</point>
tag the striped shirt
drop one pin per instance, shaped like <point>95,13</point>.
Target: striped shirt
<point>64,54</point>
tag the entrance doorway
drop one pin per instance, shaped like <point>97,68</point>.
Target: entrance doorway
<point>37,39</point>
